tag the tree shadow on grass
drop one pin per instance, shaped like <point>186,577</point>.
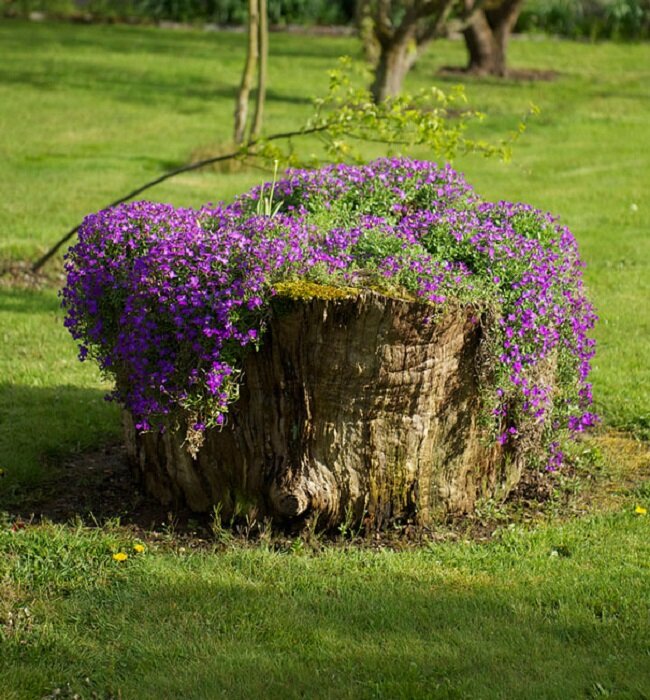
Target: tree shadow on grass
<point>81,62</point>
<point>513,77</point>
<point>60,456</point>
<point>73,57</point>
<point>375,627</point>
<point>133,86</point>
<point>129,85</point>
<point>29,301</point>
<point>121,39</point>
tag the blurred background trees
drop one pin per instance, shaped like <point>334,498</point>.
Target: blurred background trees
<point>487,34</point>
<point>393,33</point>
<point>585,19</point>
<point>398,32</point>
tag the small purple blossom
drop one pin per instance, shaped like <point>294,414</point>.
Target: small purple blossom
<point>556,457</point>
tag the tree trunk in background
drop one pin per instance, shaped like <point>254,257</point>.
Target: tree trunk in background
<point>486,37</point>
<point>354,407</point>
<point>401,31</point>
<point>394,62</point>
<point>241,102</point>
<point>263,43</point>
<point>503,21</point>
<point>480,44</point>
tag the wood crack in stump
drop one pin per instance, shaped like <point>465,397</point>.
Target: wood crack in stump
<point>358,406</point>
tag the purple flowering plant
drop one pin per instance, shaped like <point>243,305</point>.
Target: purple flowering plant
<point>167,300</point>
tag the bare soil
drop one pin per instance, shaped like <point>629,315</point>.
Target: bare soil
<point>18,274</point>
<point>98,486</point>
<point>519,75</point>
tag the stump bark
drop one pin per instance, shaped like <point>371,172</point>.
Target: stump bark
<point>357,406</point>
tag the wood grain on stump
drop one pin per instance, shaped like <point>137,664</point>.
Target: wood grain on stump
<point>354,406</point>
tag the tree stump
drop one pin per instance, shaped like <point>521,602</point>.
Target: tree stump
<point>355,406</point>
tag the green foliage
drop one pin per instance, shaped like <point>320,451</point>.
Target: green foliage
<point>347,119</point>
<point>591,19</point>
<point>223,12</point>
<point>43,393</point>
<point>265,206</point>
<point>429,117</point>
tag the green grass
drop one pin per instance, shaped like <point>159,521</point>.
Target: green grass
<point>50,404</point>
<point>552,614</point>
<point>93,111</point>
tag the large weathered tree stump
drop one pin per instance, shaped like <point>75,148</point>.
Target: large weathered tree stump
<point>354,406</point>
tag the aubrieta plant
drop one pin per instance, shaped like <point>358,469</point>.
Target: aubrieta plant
<point>168,300</point>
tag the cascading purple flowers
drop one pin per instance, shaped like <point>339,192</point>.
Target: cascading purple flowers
<point>167,300</point>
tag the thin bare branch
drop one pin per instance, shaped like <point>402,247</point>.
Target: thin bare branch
<point>242,152</point>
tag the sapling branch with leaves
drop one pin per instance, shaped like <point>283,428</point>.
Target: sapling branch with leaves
<point>344,119</point>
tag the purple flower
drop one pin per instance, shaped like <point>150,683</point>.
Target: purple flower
<point>168,300</point>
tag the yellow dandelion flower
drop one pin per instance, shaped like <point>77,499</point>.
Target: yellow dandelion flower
<point>120,556</point>
<point>640,510</point>
<point>139,548</point>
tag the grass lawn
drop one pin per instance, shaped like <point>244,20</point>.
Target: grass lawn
<point>557,613</point>
<point>560,611</point>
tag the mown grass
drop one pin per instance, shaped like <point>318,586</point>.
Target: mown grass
<point>554,613</point>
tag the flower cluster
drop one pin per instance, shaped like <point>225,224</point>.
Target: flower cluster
<point>167,300</point>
